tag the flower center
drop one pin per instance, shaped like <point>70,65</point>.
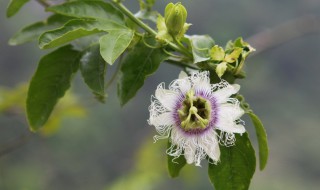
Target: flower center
<point>195,112</point>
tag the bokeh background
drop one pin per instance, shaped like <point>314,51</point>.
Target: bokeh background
<point>106,147</point>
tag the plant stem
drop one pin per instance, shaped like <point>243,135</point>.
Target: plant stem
<point>239,68</point>
<point>129,14</point>
<point>176,62</point>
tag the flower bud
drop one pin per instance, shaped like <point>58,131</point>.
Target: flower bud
<point>175,17</point>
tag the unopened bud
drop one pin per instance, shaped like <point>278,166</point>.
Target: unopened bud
<point>175,17</point>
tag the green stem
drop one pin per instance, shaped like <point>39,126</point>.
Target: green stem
<point>129,14</point>
<point>174,61</point>
<point>182,47</point>
<point>239,68</point>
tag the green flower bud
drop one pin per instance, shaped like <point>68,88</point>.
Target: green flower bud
<point>175,16</point>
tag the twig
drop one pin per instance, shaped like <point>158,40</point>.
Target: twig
<point>285,32</point>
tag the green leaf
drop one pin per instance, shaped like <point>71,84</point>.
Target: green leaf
<point>139,63</point>
<point>262,140</point>
<point>14,6</point>
<point>76,29</point>
<point>201,44</point>
<point>175,164</point>
<point>49,84</point>
<point>89,9</point>
<point>93,69</point>
<point>217,53</point>
<point>147,15</point>
<point>114,44</point>
<point>33,31</point>
<point>236,167</point>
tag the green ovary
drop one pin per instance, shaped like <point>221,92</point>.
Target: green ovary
<point>194,112</point>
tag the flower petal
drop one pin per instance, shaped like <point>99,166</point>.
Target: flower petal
<point>182,85</point>
<point>230,111</point>
<point>222,95</point>
<point>201,82</point>
<point>182,75</point>
<point>210,144</point>
<point>230,126</point>
<point>162,119</point>
<point>166,97</point>
<point>189,153</point>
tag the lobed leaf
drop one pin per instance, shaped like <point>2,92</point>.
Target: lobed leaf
<point>93,69</point>
<point>114,44</point>
<point>14,7</point>
<point>33,31</point>
<point>201,44</point>
<point>175,164</point>
<point>49,84</point>
<point>139,63</point>
<point>262,140</point>
<point>237,166</point>
<point>76,29</point>
<point>89,9</point>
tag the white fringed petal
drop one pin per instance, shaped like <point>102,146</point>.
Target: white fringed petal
<point>230,126</point>
<point>210,144</point>
<point>189,153</point>
<point>201,82</point>
<point>181,85</point>
<point>162,119</point>
<point>222,94</point>
<point>230,112</point>
<point>166,97</point>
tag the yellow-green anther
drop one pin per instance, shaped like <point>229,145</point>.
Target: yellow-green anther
<point>175,16</point>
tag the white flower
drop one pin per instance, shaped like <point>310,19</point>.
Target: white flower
<point>189,113</point>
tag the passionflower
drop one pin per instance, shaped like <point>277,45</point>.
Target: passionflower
<point>196,116</point>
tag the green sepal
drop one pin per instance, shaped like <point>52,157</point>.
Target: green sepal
<point>50,82</point>
<point>221,68</point>
<point>236,167</point>
<point>234,55</point>
<point>217,53</point>
<point>175,164</point>
<point>262,139</point>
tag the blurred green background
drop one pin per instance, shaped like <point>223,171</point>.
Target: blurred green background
<point>106,147</point>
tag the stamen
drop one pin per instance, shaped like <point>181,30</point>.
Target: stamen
<point>195,112</point>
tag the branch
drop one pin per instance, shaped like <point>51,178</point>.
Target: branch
<point>285,32</point>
